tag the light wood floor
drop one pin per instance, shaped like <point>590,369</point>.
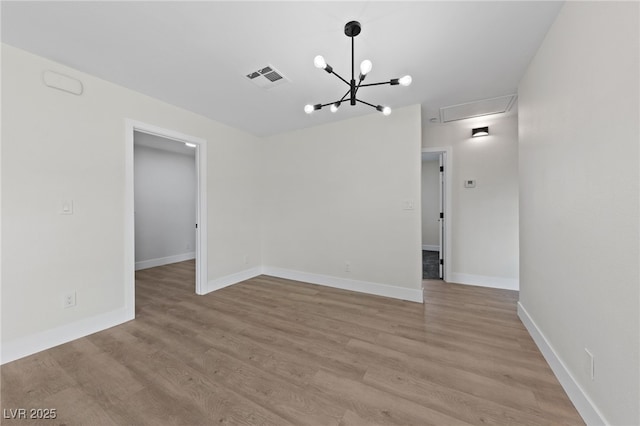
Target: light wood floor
<point>278,352</point>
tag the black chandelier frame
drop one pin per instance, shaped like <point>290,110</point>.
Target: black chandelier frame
<point>351,30</point>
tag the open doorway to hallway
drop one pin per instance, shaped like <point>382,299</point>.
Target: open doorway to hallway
<point>183,247</point>
<point>165,194</point>
<point>436,231</point>
<point>165,212</point>
<point>431,216</point>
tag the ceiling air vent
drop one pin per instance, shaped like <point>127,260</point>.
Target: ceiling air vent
<point>267,77</point>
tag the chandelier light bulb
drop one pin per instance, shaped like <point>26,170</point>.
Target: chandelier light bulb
<point>334,107</point>
<point>405,81</point>
<point>319,62</point>
<point>384,110</point>
<point>308,108</point>
<point>365,67</point>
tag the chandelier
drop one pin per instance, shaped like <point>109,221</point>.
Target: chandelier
<point>352,29</point>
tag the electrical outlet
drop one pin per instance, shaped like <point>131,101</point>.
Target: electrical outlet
<point>69,300</point>
<point>590,367</point>
<point>246,260</point>
<point>347,266</point>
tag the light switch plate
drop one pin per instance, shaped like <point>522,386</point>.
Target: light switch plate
<point>470,183</point>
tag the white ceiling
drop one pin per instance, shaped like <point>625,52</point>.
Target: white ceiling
<point>195,54</point>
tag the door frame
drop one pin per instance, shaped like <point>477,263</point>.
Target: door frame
<point>132,126</point>
<point>448,179</point>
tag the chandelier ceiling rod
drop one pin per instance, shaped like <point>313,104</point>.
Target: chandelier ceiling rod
<point>352,29</point>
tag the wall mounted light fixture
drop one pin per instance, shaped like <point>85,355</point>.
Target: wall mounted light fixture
<point>352,29</point>
<point>480,131</point>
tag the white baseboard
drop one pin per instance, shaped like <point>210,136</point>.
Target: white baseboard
<point>235,278</point>
<point>152,263</point>
<point>412,295</point>
<point>586,408</point>
<point>430,247</point>
<point>484,281</point>
<point>28,345</point>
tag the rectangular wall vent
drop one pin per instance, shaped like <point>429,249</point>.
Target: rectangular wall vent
<point>267,77</point>
<point>476,109</point>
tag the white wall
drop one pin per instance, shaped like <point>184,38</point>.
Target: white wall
<point>59,146</point>
<point>165,205</point>
<point>579,205</point>
<point>430,203</point>
<point>335,193</point>
<point>484,220</point>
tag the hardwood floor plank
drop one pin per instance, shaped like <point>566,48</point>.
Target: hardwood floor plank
<point>455,377</point>
<point>300,314</point>
<point>295,369</point>
<point>512,370</point>
<point>460,405</point>
<point>352,419</point>
<point>270,351</point>
<point>297,404</point>
<point>89,366</point>
<point>380,406</point>
<point>69,410</point>
<point>35,377</point>
<point>192,397</point>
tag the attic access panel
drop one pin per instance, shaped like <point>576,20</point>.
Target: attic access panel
<point>476,109</point>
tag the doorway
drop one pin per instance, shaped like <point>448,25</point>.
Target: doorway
<point>436,212</point>
<point>164,201</point>
<point>160,135</point>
